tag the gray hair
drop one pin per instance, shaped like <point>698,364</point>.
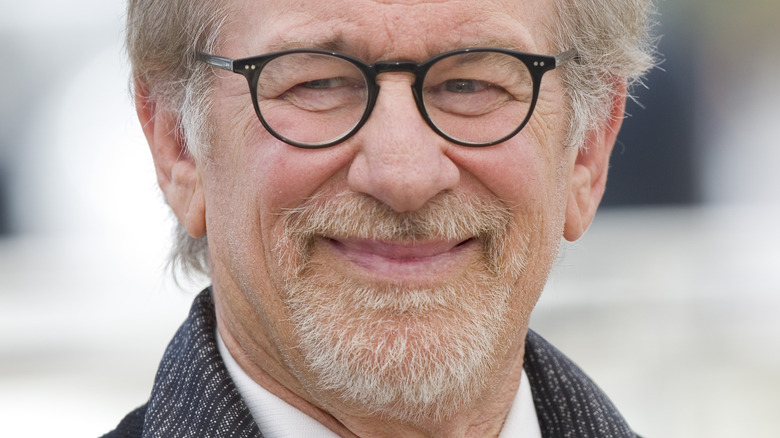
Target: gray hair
<point>614,42</point>
<point>613,38</point>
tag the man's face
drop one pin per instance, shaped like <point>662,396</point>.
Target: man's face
<point>396,269</point>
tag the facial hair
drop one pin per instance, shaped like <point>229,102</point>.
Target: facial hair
<point>404,353</point>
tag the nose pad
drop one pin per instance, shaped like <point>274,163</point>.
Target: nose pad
<point>401,161</point>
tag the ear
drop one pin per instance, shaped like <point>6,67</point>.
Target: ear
<point>177,171</point>
<point>589,177</point>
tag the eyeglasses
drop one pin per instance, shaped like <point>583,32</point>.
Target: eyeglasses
<point>315,98</point>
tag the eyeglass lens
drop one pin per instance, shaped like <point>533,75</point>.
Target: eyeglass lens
<point>475,97</point>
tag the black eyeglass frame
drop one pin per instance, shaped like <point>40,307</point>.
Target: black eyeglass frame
<point>251,68</point>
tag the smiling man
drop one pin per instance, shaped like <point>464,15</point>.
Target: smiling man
<point>377,190</point>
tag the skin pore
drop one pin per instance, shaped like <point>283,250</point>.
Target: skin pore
<point>291,282</point>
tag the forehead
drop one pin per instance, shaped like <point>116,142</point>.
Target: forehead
<point>376,30</point>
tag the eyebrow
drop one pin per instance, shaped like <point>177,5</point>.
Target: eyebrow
<point>334,44</point>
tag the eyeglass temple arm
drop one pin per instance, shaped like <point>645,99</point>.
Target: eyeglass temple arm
<point>216,61</point>
<point>563,58</point>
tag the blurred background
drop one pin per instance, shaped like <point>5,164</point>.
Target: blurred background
<point>670,302</point>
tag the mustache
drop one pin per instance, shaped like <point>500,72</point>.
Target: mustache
<point>448,216</point>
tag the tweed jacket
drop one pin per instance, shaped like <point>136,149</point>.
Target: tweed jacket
<point>194,397</point>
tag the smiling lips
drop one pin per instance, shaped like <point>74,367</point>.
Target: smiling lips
<point>417,261</point>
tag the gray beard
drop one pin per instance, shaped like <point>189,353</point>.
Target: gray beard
<point>402,353</point>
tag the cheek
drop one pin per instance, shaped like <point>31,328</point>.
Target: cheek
<point>275,174</point>
<point>521,172</point>
<point>289,175</point>
<point>254,179</point>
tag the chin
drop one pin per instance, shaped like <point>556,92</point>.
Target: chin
<point>401,352</point>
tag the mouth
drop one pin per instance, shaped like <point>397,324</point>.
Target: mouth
<point>418,261</point>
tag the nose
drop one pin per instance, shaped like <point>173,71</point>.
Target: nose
<point>401,161</point>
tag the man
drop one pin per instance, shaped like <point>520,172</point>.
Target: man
<point>377,190</point>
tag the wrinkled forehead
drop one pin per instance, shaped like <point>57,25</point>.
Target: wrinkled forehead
<point>380,30</point>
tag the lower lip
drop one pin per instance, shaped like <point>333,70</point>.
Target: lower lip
<point>385,265</point>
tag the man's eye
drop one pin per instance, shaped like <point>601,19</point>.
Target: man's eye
<point>324,84</point>
<point>465,86</point>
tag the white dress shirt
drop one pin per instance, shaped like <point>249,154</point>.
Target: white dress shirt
<point>278,419</point>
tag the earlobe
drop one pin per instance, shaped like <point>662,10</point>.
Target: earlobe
<point>177,171</point>
<point>589,177</point>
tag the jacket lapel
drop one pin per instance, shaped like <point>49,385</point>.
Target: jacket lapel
<point>568,404</point>
<point>193,394</point>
